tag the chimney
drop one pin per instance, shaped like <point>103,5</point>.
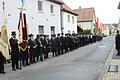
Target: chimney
<point>80,7</point>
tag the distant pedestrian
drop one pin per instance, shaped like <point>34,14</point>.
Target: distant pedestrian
<point>2,61</point>
<point>117,42</point>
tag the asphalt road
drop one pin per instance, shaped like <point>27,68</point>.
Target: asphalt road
<point>85,63</point>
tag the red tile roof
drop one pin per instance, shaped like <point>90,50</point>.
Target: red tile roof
<point>64,6</point>
<point>68,9</point>
<point>57,1</point>
<point>85,14</point>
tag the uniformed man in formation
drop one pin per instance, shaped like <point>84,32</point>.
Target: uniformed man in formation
<point>41,46</point>
<point>14,51</point>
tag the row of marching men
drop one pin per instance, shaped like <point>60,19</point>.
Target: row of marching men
<point>60,44</point>
<point>39,48</point>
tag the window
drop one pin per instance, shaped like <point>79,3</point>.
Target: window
<point>52,30</point>
<point>40,5</point>
<point>41,29</point>
<point>21,3</point>
<point>68,18</point>
<point>51,8</point>
<point>73,20</point>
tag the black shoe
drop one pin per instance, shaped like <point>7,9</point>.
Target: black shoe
<point>27,64</point>
<point>2,72</point>
<point>18,68</point>
<point>14,69</point>
<point>118,55</point>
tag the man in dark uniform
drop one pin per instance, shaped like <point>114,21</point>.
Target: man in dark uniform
<point>41,48</point>
<point>94,38</point>
<point>53,45</point>
<point>66,43</point>
<point>14,51</point>
<point>71,42</point>
<point>31,45</point>
<point>117,42</point>
<point>58,41</point>
<point>62,39</point>
<point>37,49</point>
<point>2,61</point>
<point>45,43</point>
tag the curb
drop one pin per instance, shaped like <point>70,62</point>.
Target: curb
<point>106,63</point>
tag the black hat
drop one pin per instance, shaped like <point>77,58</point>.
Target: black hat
<point>13,33</point>
<point>41,35</point>
<point>44,35</point>
<point>58,34</point>
<point>37,35</point>
<point>52,35</point>
<point>30,35</point>
<point>47,35</point>
<point>117,31</point>
<point>62,33</point>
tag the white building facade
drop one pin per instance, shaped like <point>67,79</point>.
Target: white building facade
<point>69,20</point>
<point>43,16</point>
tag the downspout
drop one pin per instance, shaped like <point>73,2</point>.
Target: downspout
<point>61,19</point>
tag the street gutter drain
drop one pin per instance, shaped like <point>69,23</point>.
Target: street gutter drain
<point>113,68</point>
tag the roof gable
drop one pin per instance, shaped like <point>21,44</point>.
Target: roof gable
<point>56,1</point>
<point>68,9</point>
<point>85,14</point>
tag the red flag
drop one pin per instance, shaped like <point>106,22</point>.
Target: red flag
<point>97,23</point>
<point>22,28</point>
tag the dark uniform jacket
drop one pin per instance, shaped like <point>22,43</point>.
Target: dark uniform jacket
<point>14,48</point>
<point>38,48</point>
<point>58,41</point>
<point>31,44</point>
<point>53,45</point>
<point>117,41</point>
<point>2,61</point>
<point>2,58</point>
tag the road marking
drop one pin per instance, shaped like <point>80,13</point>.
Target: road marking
<point>102,46</point>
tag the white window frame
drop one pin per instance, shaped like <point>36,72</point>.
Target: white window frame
<point>52,32</point>
<point>41,7</point>
<point>73,19</point>
<point>51,8</point>
<point>68,16</point>
<point>41,27</point>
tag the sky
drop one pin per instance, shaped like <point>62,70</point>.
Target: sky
<point>105,10</point>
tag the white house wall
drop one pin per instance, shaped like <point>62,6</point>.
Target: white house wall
<point>11,13</point>
<point>85,25</point>
<point>44,18</point>
<point>34,18</point>
<point>106,30</point>
<point>69,26</point>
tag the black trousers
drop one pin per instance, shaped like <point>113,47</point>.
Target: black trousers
<point>54,53</point>
<point>15,63</point>
<point>118,52</point>
<point>25,62</point>
<point>1,67</point>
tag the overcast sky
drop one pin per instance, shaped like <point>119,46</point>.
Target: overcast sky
<point>106,10</point>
